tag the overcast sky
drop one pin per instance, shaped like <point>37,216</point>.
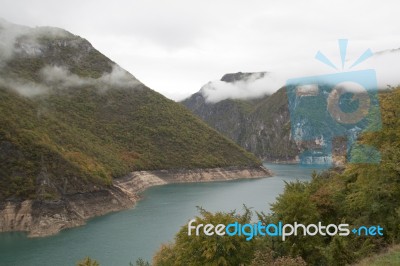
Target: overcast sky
<point>176,46</point>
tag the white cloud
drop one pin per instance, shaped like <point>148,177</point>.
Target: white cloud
<point>61,77</point>
<point>386,65</point>
<point>8,35</point>
<point>23,87</point>
<point>176,46</point>
<point>253,87</point>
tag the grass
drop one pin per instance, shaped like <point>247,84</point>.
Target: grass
<point>390,257</point>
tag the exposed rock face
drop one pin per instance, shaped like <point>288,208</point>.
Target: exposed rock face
<point>43,218</point>
<point>261,126</point>
<point>144,179</point>
<point>227,116</point>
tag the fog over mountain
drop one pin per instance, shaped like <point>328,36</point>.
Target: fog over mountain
<point>22,41</point>
<point>386,64</point>
<point>175,46</point>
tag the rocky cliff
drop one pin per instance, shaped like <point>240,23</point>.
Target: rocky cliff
<point>262,125</point>
<point>42,218</point>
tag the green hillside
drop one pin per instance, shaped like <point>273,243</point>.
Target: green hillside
<point>71,120</point>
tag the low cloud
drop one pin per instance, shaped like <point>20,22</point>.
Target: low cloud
<point>386,65</point>
<point>8,35</point>
<point>117,78</point>
<point>23,87</point>
<point>58,77</point>
<point>216,91</point>
<point>17,39</point>
<point>21,40</point>
<point>61,77</point>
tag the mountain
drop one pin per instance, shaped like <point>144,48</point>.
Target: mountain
<point>72,121</point>
<point>260,125</point>
<point>242,107</point>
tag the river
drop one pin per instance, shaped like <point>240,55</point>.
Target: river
<point>122,237</point>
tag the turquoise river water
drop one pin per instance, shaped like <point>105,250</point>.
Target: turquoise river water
<point>122,237</point>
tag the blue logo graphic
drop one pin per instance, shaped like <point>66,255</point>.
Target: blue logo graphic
<point>335,106</point>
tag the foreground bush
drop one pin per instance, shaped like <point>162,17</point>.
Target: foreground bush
<point>208,250</point>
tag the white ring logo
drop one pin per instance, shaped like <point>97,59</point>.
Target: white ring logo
<point>360,94</point>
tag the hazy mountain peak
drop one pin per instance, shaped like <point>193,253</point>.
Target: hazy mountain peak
<point>387,51</point>
<point>38,60</point>
<point>240,85</point>
<point>252,85</point>
<point>240,76</point>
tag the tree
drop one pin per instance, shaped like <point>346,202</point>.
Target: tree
<point>140,262</point>
<point>266,257</point>
<point>208,250</point>
<point>88,262</point>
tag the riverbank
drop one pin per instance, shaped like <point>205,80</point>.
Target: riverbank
<point>44,218</point>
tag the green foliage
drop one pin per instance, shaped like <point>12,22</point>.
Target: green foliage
<point>208,250</point>
<point>295,205</point>
<point>266,257</point>
<point>88,262</point>
<point>141,262</point>
<point>359,194</point>
<point>362,194</point>
<point>166,255</point>
<point>72,139</point>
